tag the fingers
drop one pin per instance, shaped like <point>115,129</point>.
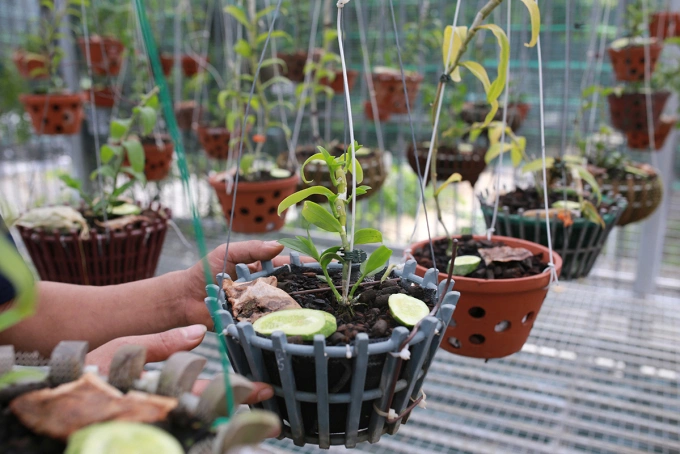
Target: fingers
<point>243,252</point>
<point>159,347</point>
<point>261,392</point>
<point>284,260</point>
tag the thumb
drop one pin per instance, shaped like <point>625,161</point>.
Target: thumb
<point>244,252</point>
<point>159,347</point>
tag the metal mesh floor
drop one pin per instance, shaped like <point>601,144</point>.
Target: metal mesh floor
<point>598,375</point>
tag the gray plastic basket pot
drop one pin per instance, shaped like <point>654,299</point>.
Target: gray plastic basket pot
<point>578,245</point>
<point>335,395</point>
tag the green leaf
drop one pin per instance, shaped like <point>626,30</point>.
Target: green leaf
<point>495,150</point>
<point>246,163</point>
<point>108,152</point>
<point>363,189</point>
<point>275,80</point>
<point>367,236</point>
<point>590,179</point>
<point>71,182</point>
<point>301,245</point>
<point>135,154</point>
<point>327,258</point>
<point>359,171</point>
<point>152,102</point>
<point>263,12</point>
<point>453,178</point>
<point>243,48</point>
<point>376,261</point>
<point>272,61</point>
<point>317,215</point>
<point>329,35</point>
<point>138,176</point>
<point>589,212</point>
<point>276,34</point>
<point>148,117</point>
<point>120,190</point>
<point>330,162</point>
<point>119,128</point>
<point>105,171</point>
<point>498,85</point>
<point>535,15</point>
<point>302,195</point>
<point>239,14</point>
<point>537,164</point>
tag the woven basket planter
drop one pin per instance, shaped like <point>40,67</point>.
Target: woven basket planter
<point>372,164</point>
<point>578,245</point>
<point>449,161</point>
<point>629,111</point>
<point>643,196</point>
<point>55,113</point>
<point>494,317</point>
<point>304,376</point>
<point>106,54</point>
<point>122,256</point>
<point>629,61</point>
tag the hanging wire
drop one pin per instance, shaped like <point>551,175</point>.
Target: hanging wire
<point>243,130</point>
<point>567,73</point>
<point>499,164</point>
<point>648,86</point>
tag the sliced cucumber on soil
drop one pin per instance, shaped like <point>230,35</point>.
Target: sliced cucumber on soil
<point>406,309</point>
<point>465,264</point>
<point>21,376</point>
<point>305,323</point>
<point>280,173</point>
<point>126,209</point>
<point>567,205</point>
<point>119,437</point>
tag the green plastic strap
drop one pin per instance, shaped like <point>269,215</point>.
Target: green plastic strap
<point>168,112</point>
<point>13,267</point>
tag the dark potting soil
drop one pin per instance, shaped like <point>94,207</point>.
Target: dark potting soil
<point>15,438</point>
<point>531,199</point>
<point>468,246</point>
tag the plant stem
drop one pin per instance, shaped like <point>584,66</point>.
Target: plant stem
<point>261,95</point>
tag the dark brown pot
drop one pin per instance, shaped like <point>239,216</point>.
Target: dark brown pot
<point>629,62</point>
<point>158,160</point>
<point>184,112</point>
<point>643,195</point>
<point>338,84</point>
<point>257,203</point>
<point>383,115</point>
<point>639,140</point>
<point>103,97</point>
<point>122,256</point>
<point>477,112</point>
<point>372,165</point>
<point>494,317</point>
<point>295,64</point>
<point>54,113</point>
<point>106,54</point>
<point>167,62</point>
<point>192,64</point>
<point>389,90</point>
<point>30,66</point>
<point>215,141</point>
<point>449,161</point>
<point>629,111</point>
<point>664,24</point>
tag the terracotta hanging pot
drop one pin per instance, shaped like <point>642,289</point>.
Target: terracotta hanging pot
<point>494,317</point>
<point>106,54</point>
<point>664,24</point>
<point>450,160</point>
<point>644,195</point>
<point>118,257</point>
<point>215,141</point>
<point>167,62</point>
<point>54,113</point>
<point>184,112</point>
<point>629,61</point>
<point>389,89</point>
<point>192,64</point>
<point>256,203</point>
<point>383,115</point>
<point>629,110</point>
<point>158,159</point>
<point>476,112</point>
<point>338,83</point>
<point>639,140</point>
<point>295,64</point>
<point>103,97</point>
<point>30,66</point>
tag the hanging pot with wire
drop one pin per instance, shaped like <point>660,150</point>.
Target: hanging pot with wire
<point>664,24</point>
<point>389,90</point>
<point>629,110</point>
<point>628,58</point>
<point>58,113</point>
<point>639,140</point>
<point>106,54</point>
<point>338,82</point>
<point>192,64</point>
<point>464,159</point>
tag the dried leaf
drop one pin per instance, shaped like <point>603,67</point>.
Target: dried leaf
<point>251,300</point>
<point>504,254</point>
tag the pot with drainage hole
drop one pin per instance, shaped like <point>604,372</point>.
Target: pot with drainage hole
<point>54,113</point>
<point>494,317</point>
<point>257,202</point>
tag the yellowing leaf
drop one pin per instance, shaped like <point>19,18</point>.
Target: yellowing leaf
<point>458,38</point>
<point>535,15</point>
<point>492,113</point>
<point>456,177</point>
<point>498,85</point>
<point>479,72</point>
<point>495,150</point>
<point>537,164</point>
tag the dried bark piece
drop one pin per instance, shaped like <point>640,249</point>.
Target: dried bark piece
<point>251,300</point>
<point>60,411</point>
<point>122,222</point>
<point>504,254</point>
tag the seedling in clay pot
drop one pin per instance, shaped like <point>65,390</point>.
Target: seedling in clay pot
<point>66,242</point>
<point>107,47</point>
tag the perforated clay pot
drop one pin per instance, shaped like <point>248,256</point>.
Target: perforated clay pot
<point>103,97</point>
<point>54,113</point>
<point>106,54</point>
<point>304,375</point>
<point>215,141</point>
<point>30,67</point>
<point>643,195</point>
<point>338,83</point>
<point>192,64</point>
<point>167,63</point>
<point>494,317</point>
<point>664,25</point>
<point>389,90</point>
<point>122,256</point>
<point>184,112</point>
<point>158,159</point>
<point>295,64</point>
<point>256,203</point>
<point>639,140</point>
<point>449,161</point>
<point>629,111</point>
<point>629,61</point>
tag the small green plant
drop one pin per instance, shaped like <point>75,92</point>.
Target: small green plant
<point>122,154</point>
<point>334,220</point>
<point>111,18</point>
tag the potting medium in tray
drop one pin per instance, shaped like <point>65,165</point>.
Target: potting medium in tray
<point>332,391</point>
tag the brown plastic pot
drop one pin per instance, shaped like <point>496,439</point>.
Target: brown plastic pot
<point>474,112</point>
<point>639,140</point>
<point>192,64</point>
<point>629,61</point>
<point>157,160</point>
<point>106,54</point>
<point>449,161</point>
<point>256,203</point>
<point>493,318</point>
<point>629,111</point>
<point>338,84</point>
<point>30,66</point>
<point>389,90</point>
<point>54,113</point>
<point>167,62</point>
<point>103,97</point>
<point>122,256</point>
<point>664,24</point>
<point>184,112</point>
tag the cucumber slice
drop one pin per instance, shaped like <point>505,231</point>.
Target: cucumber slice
<point>406,309</point>
<point>120,437</point>
<point>21,376</point>
<point>567,205</point>
<point>126,209</point>
<point>297,322</point>
<point>465,264</point>
<point>280,173</point>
